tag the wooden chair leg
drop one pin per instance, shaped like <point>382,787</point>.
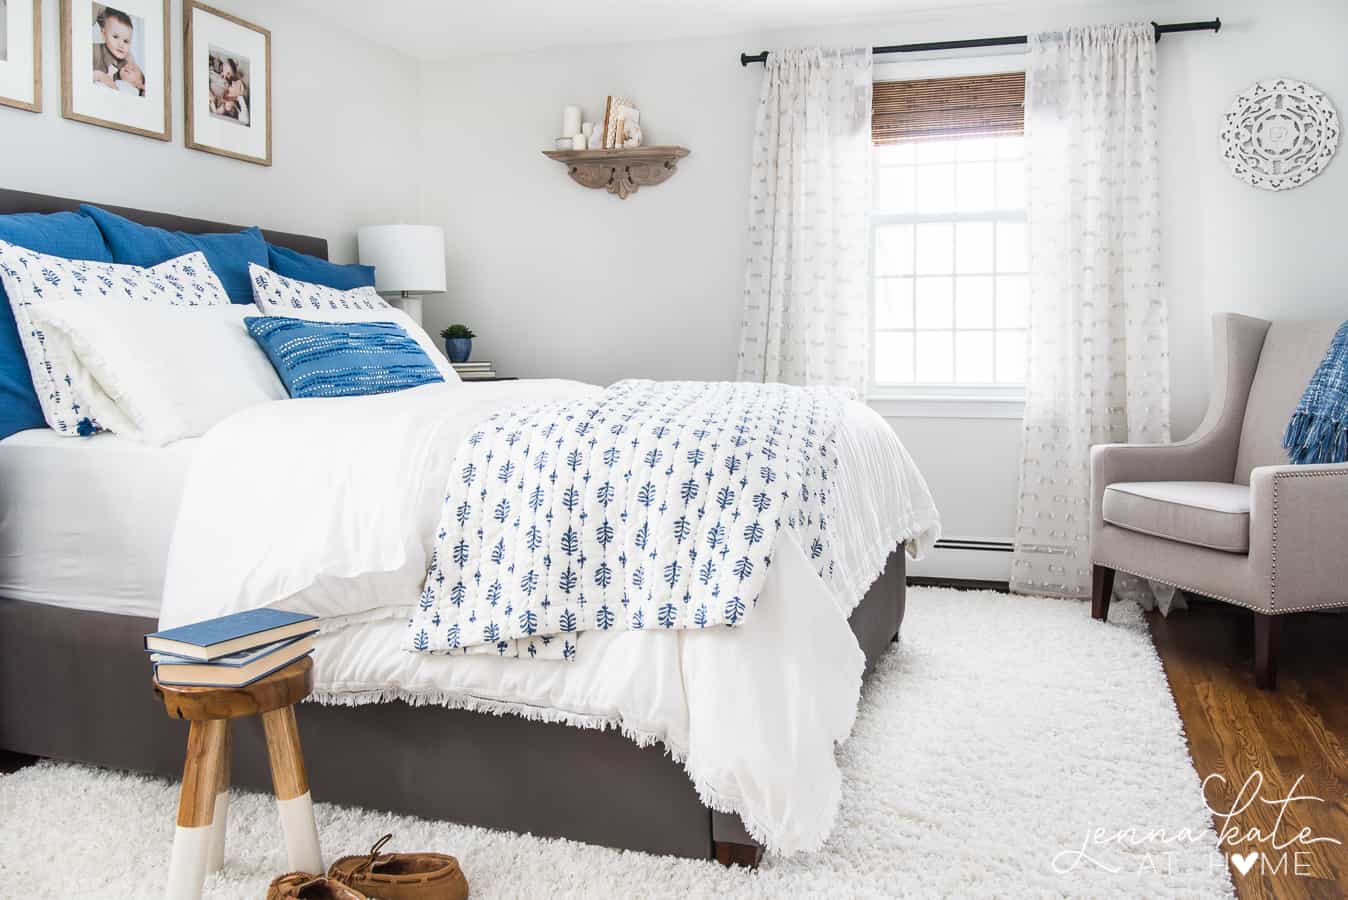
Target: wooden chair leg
<point>1102,589</point>
<point>220,819</point>
<point>729,854</point>
<point>196,809</point>
<point>1267,637</point>
<point>291,785</point>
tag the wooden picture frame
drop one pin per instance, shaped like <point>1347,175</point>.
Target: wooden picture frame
<point>81,99</point>
<point>11,80</point>
<point>228,112</point>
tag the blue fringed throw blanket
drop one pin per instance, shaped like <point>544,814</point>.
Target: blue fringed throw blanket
<point>1318,432</point>
<point>654,505</point>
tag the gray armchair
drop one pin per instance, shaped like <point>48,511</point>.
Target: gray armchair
<point>1222,513</point>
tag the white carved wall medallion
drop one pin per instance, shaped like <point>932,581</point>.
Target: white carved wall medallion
<point>1279,134</point>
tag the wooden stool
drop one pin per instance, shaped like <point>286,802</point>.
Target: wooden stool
<point>203,806</point>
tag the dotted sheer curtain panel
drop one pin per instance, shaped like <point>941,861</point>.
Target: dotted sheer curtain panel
<point>806,317</point>
<point>1098,369</point>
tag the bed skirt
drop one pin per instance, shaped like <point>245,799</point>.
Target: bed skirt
<point>76,686</point>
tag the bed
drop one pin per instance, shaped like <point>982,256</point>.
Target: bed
<point>74,681</point>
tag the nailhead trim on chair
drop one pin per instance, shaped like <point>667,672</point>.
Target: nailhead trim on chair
<point>1273,580</point>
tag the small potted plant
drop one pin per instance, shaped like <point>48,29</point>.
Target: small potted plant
<point>458,342</point>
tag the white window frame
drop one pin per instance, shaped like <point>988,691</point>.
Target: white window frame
<point>953,401</point>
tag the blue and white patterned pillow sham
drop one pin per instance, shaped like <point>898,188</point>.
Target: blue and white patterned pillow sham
<point>32,278</point>
<point>277,295</point>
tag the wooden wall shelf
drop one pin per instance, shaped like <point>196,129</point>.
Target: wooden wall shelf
<point>621,172</point>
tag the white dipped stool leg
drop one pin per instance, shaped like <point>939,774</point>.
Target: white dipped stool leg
<point>220,817</point>
<point>291,785</point>
<point>196,809</point>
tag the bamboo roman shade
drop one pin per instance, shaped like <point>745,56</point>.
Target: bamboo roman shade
<point>936,108</point>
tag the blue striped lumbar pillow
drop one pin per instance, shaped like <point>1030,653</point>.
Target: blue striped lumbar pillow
<point>341,359</point>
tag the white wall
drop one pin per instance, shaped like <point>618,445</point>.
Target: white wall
<point>566,282</point>
<point>343,131</point>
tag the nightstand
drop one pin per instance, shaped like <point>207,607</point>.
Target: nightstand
<point>493,378</point>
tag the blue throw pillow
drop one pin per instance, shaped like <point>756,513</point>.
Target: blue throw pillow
<point>341,359</point>
<point>303,267</point>
<point>65,234</point>
<point>229,253</point>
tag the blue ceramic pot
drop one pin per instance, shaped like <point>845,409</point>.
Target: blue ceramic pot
<point>458,349</point>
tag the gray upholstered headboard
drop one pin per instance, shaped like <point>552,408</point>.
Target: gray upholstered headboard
<point>21,202</point>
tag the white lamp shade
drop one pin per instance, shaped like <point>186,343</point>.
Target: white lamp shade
<point>406,258</point>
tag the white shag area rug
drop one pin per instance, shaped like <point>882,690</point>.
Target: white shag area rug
<point>1001,736</point>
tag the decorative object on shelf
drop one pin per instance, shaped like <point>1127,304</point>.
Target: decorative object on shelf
<point>227,71</point>
<point>115,65</point>
<point>21,54</point>
<point>578,142</point>
<point>596,141</point>
<point>1279,134</point>
<point>408,260</point>
<point>611,107</point>
<point>621,172</point>
<point>570,121</point>
<point>458,343</point>
<point>564,143</point>
<point>629,127</point>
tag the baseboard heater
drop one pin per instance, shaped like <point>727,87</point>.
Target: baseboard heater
<point>971,544</point>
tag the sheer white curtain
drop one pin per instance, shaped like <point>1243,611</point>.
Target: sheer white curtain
<point>1099,366</point>
<point>805,289</point>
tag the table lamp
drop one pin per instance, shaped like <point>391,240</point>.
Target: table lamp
<point>408,260</point>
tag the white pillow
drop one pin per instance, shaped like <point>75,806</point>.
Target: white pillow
<point>157,374</point>
<point>276,295</point>
<point>34,279</point>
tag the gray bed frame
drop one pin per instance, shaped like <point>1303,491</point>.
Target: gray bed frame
<point>76,686</point>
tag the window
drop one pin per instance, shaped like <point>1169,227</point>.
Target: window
<point>949,243</point>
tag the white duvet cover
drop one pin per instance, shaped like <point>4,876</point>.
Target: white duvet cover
<point>329,507</point>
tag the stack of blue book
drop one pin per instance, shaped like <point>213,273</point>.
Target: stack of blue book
<point>233,650</point>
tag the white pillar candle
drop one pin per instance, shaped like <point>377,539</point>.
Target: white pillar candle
<point>570,121</point>
<point>586,128</point>
<point>578,142</point>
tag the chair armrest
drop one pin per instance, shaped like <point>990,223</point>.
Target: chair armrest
<point>1298,517</point>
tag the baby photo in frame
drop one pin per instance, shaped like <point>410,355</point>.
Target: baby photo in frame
<point>115,65</point>
<point>21,54</point>
<point>227,62</point>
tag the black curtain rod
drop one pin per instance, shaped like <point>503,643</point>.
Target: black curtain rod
<point>1011,41</point>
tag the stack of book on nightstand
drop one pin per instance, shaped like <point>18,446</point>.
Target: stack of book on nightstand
<point>233,650</point>
<point>474,371</point>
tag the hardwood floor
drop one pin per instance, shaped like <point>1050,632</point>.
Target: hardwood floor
<point>1236,730</point>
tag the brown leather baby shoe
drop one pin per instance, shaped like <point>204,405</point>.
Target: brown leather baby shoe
<point>402,876</point>
<point>306,886</point>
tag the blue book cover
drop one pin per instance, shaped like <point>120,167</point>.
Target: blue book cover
<point>233,660</point>
<point>216,638</point>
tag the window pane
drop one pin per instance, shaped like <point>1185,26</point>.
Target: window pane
<point>973,302</point>
<point>1011,256</point>
<point>935,302</point>
<point>935,357</point>
<point>935,188</point>
<point>1013,301</point>
<point>894,303</point>
<point>1011,185</point>
<point>894,250</point>
<point>973,357</point>
<point>969,149</point>
<point>895,188</point>
<point>1012,147</point>
<point>894,357</point>
<point>935,249</point>
<point>936,151</point>
<point>895,154</point>
<point>974,188</point>
<point>1011,357</point>
<point>973,247</point>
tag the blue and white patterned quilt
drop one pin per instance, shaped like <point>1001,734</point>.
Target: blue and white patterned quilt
<point>655,505</point>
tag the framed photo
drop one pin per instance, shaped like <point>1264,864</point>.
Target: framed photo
<point>228,67</point>
<point>21,54</point>
<point>115,65</point>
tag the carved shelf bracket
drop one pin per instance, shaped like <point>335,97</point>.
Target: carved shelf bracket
<point>620,172</point>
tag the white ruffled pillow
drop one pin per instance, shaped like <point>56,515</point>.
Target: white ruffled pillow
<point>34,279</point>
<point>155,373</point>
<point>276,295</point>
